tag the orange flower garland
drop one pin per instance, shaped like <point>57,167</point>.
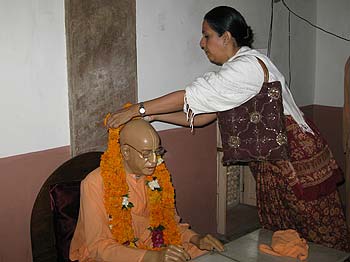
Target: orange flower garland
<point>161,202</point>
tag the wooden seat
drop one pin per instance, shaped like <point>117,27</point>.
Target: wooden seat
<point>42,224</point>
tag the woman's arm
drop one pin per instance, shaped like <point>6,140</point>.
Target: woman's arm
<point>180,118</point>
<point>166,104</point>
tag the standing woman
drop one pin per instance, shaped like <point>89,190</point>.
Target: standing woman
<point>300,193</point>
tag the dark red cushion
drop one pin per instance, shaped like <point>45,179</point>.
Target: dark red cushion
<point>65,202</point>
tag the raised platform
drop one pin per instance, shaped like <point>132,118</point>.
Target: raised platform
<point>246,249</point>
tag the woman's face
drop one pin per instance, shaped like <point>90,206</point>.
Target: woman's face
<point>213,45</point>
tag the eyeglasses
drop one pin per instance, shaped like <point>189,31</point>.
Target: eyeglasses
<point>147,154</point>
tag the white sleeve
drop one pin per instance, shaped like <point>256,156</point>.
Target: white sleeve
<point>235,83</point>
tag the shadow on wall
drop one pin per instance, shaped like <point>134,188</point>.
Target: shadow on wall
<point>191,159</point>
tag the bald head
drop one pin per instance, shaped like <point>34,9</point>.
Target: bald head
<point>136,132</point>
<point>139,141</point>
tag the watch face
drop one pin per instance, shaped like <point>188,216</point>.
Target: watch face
<point>142,110</point>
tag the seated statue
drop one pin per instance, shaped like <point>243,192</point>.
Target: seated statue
<point>127,210</point>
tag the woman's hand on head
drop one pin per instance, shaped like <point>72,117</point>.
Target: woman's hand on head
<point>171,253</point>
<point>122,116</point>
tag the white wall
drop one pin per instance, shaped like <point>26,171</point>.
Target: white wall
<point>331,52</point>
<point>302,47</point>
<point>168,34</point>
<point>33,82</point>
<point>34,94</point>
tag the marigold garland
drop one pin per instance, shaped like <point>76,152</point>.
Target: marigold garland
<point>161,202</point>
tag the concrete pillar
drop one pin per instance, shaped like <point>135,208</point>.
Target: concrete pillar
<point>101,57</point>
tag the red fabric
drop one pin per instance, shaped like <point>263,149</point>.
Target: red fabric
<point>301,194</point>
<point>255,130</point>
<point>65,199</point>
<point>312,171</point>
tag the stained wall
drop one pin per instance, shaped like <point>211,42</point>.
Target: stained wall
<point>101,62</point>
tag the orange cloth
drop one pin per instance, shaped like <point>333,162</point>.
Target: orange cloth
<point>287,243</point>
<point>93,241</point>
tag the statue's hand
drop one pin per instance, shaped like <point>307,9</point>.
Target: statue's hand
<point>207,242</point>
<point>170,253</point>
<point>175,253</point>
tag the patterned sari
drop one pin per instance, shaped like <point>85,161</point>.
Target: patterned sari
<point>302,194</point>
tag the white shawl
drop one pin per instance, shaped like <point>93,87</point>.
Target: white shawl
<point>238,80</point>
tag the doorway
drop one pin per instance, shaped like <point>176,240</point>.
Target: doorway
<point>236,199</point>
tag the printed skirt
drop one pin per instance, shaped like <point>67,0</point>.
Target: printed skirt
<point>301,193</point>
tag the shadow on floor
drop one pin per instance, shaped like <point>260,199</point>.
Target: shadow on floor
<point>240,220</point>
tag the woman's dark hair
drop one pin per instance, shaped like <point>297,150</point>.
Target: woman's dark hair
<point>225,18</point>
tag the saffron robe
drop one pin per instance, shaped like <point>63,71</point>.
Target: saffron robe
<point>93,240</point>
